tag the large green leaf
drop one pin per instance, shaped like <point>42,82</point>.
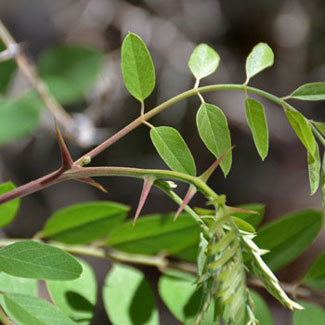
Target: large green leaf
<point>312,314</point>
<point>288,237</point>
<point>19,117</point>
<point>128,298</point>
<point>179,292</point>
<point>30,259</point>
<point>76,298</point>
<point>203,61</point>
<point>137,67</point>
<point>262,311</point>
<point>310,91</point>
<point>173,149</point>
<point>8,210</point>
<point>76,66</point>
<point>214,132</point>
<point>302,128</point>
<point>85,222</point>
<point>260,58</point>
<point>29,310</point>
<point>315,277</point>
<point>314,166</point>
<point>155,233</point>
<point>257,123</point>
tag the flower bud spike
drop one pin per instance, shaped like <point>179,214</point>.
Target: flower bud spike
<point>147,184</point>
<point>206,175</point>
<point>92,182</point>
<point>66,160</point>
<point>190,193</point>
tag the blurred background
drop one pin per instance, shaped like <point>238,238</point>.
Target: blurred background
<point>295,31</point>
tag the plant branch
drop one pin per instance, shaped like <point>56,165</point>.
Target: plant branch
<point>30,72</point>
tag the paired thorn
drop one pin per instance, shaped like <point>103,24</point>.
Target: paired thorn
<point>206,175</point>
<point>189,195</point>
<point>147,184</point>
<point>67,161</point>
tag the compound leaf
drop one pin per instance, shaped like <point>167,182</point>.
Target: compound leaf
<point>173,149</point>
<point>214,132</point>
<point>257,123</point>
<point>128,298</point>
<point>203,61</point>
<point>30,259</point>
<point>137,67</point>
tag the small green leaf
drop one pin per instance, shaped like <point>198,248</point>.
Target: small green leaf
<point>243,225</point>
<point>179,292</point>
<point>76,66</point>
<point>322,181</point>
<point>8,210</point>
<point>19,117</point>
<point>203,61</point>
<point>257,123</point>
<point>260,58</point>
<point>320,126</point>
<point>262,311</point>
<point>312,314</point>
<point>30,259</point>
<point>85,222</point>
<point>128,298</point>
<point>253,218</point>
<point>314,166</point>
<point>155,233</point>
<point>310,91</point>
<point>76,298</point>
<point>214,132</point>
<point>288,237</point>
<point>137,67</point>
<point>302,128</point>
<point>173,149</point>
<point>29,310</point>
<point>315,277</point>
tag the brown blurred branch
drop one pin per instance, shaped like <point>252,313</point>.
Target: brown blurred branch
<point>30,72</point>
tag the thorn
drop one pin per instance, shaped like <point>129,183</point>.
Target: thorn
<point>206,175</point>
<point>66,160</point>
<point>147,184</point>
<point>234,209</point>
<point>190,193</point>
<point>92,182</point>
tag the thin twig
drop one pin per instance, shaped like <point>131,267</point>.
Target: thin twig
<point>31,74</point>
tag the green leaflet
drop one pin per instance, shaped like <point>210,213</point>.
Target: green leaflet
<point>314,166</point>
<point>76,298</point>
<point>180,294</point>
<point>288,237</point>
<point>29,310</point>
<point>203,61</point>
<point>322,181</point>
<point>70,70</point>
<point>7,69</point>
<point>155,233</point>
<point>315,277</point>
<point>173,149</point>
<point>137,67</point>
<point>320,126</point>
<point>260,58</point>
<point>30,259</point>
<point>243,225</point>
<point>302,128</point>
<point>19,117</point>
<point>128,298</point>
<point>214,132</point>
<point>312,314</point>
<point>85,222</point>
<point>310,91</point>
<point>8,210</point>
<point>257,123</point>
